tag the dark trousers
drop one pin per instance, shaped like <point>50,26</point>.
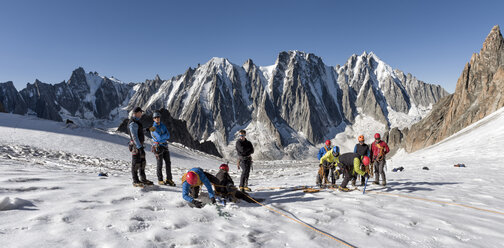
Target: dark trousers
<point>163,153</point>
<point>379,169</point>
<point>196,189</point>
<point>138,165</point>
<point>347,175</point>
<point>245,165</point>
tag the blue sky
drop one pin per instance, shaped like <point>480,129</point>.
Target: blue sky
<point>135,40</point>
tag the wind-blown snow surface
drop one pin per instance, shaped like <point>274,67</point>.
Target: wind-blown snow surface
<point>50,195</point>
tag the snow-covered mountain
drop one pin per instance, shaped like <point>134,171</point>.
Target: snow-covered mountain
<point>289,106</point>
<point>86,97</point>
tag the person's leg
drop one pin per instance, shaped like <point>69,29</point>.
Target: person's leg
<point>333,177</point>
<point>346,177</point>
<point>195,192</point>
<point>376,172</point>
<point>159,168</point>
<point>320,175</point>
<point>166,156</point>
<point>134,168</point>
<point>245,167</point>
<point>382,172</point>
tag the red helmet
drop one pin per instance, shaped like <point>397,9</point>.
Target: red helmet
<point>191,178</point>
<point>361,138</point>
<point>365,160</point>
<point>377,136</point>
<point>327,142</point>
<point>224,167</point>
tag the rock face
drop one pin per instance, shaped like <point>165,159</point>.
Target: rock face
<point>178,132</point>
<point>296,102</point>
<point>85,95</point>
<point>479,92</point>
<point>11,99</point>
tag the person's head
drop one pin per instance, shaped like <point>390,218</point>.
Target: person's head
<point>361,139</point>
<point>224,167</point>
<point>156,117</point>
<point>192,178</point>
<point>377,137</point>
<point>137,112</point>
<point>242,134</point>
<point>335,151</point>
<point>328,143</point>
<point>365,160</point>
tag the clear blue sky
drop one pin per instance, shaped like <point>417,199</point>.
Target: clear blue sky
<point>135,40</point>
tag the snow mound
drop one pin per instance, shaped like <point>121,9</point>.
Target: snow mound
<point>14,203</point>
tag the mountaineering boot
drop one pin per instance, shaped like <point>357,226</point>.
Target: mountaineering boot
<point>169,182</point>
<point>384,183</point>
<point>242,189</point>
<point>345,189</point>
<point>353,182</point>
<point>138,184</point>
<point>247,189</point>
<point>161,183</point>
<point>376,182</point>
<point>147,182</point>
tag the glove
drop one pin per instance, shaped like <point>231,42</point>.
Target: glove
<point>213,200</point>
<point>197,204</point>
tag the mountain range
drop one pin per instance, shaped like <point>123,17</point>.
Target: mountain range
<point>287,107</point>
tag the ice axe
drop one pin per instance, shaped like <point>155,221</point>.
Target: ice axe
<point>365,185</point>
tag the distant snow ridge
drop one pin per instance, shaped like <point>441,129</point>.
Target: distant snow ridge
<point>289,106</point>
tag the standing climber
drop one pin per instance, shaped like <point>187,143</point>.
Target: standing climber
<point>136,147</point>
<point>350,164</point>
<point>191,183</point>
<point>327,166</point>
<point>362,149</point>
<point>160,136</point>
<point>324,149</point>
<point>379,149</point>
<point>245,150</point>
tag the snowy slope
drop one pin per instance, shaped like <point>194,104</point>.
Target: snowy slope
<point>48,197</point>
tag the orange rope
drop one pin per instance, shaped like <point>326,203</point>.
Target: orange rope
<point>300,222</point>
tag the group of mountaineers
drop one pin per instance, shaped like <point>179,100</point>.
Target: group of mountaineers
<point>364,161</point>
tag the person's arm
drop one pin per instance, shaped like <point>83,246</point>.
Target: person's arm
<point>185,192</point>
<point>356,166</point>
<point>167,133</point>
<point>355,149</point>
<point>252,148</point>
<point>387,150</point>
<point>368,153</point>
<point>325,157</point>
<point>320,153</point>
<point>207,184</point>
<point>155,136</point>
<point>133,128</point>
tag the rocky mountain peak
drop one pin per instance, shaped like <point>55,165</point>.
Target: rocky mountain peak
<point>493,41</point>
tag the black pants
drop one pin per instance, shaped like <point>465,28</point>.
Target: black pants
<point>196,189</point>
<point>162,153</point>
<point>245,165</point>
<point>233,192</point>
<point>347,174</point>
<point>138,165</point>
<point>379,169</point>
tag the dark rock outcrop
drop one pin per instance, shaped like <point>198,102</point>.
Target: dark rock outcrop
<point>11,99</point>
